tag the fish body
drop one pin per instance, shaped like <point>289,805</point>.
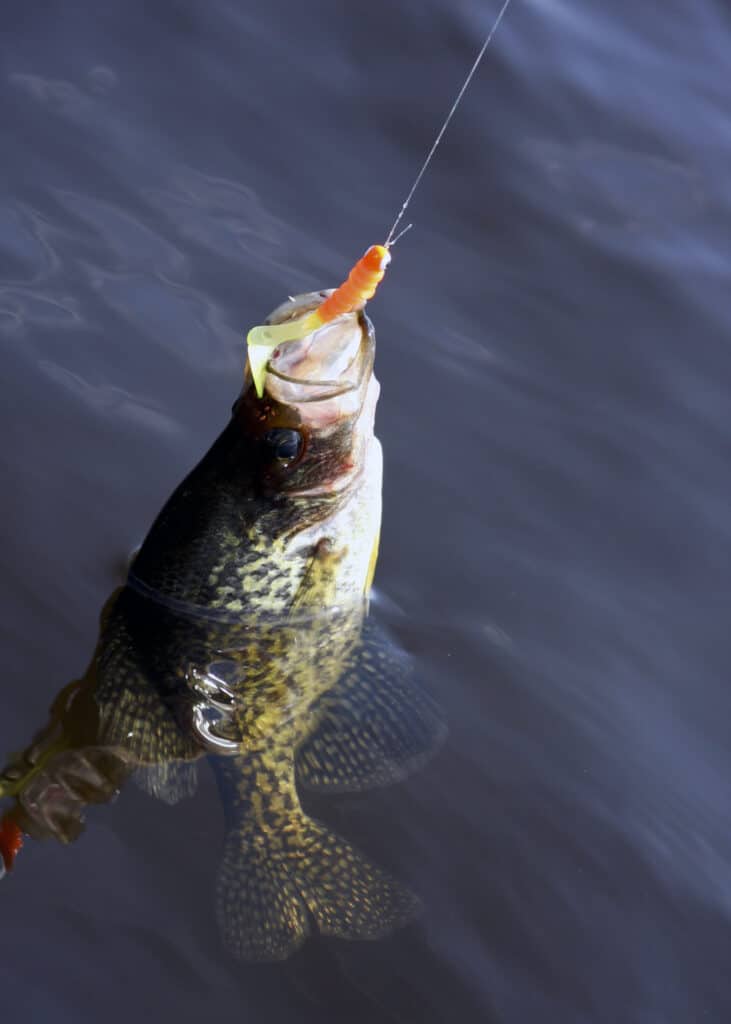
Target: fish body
<point>241,635</point>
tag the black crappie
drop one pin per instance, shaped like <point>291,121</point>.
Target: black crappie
<point>241,634</point>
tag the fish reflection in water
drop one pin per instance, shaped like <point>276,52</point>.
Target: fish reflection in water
<point>242,636</point>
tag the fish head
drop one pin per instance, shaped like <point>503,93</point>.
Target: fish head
<point>315,460</point>
<point>283,512</point>
<point>316,415</point>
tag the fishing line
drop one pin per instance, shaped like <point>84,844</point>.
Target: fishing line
<point>391,240</point>
<point>366,275</point>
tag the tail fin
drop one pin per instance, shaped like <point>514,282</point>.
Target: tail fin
<point>272,889</point>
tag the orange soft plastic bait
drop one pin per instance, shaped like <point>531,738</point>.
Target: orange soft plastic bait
<point>360,286</point>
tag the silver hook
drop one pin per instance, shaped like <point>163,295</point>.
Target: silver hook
<point>211,739</point>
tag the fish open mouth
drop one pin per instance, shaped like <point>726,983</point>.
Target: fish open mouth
<point>332,364</point>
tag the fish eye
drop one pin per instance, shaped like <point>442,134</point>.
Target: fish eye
<point>285,444</point>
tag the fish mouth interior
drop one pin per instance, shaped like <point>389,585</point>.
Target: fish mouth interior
<point>331,361</point>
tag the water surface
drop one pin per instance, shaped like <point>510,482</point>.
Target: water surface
<point>553,349</point>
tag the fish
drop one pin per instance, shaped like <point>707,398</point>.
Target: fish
<point>242,638</point>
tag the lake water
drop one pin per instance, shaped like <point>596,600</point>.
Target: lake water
<point>554,354</point>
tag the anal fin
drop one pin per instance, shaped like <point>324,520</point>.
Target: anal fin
<point>374,727</point>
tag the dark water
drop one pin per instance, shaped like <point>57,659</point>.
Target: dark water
<point>553,348</point>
